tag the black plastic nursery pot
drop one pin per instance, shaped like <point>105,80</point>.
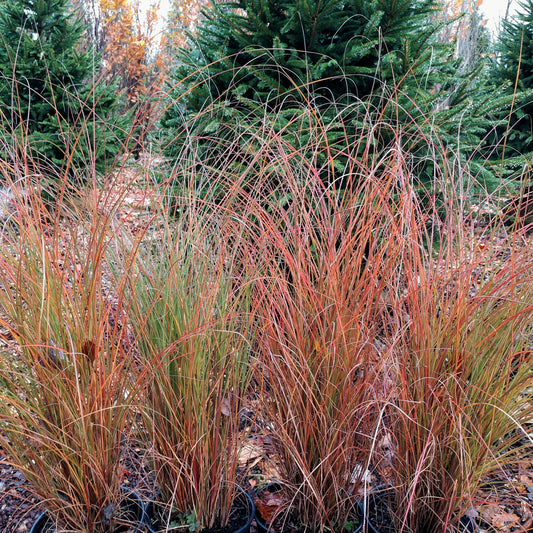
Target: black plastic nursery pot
<point>375,513</point>
<point>132,513</point>
<point>241,517</point>
<point>263,527</point>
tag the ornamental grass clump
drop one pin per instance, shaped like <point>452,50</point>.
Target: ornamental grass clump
<point>67,378</point>
<point>462,405</point>
<point>328,263</point>
<point>190,321</point>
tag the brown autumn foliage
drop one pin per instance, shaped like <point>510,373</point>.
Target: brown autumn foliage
<point>128,42</point>
<point>127,37</point>
<point>183,17</point>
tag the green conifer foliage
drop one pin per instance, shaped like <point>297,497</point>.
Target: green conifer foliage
<point>514,66</point>
<point>51,102</point>
<point>346,58</point>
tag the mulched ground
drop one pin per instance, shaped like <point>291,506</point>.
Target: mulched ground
<point>18,508</point>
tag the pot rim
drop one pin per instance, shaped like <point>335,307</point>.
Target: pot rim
<point>239,491</point>
<point>44,522</point>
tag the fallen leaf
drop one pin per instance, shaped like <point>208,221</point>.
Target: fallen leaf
<point>505,520</point>
<point>229,404</point>
<point>269,504</point>
<point>488,512</point>
<point>386,448</point>
<point>269,468</point>
<point>225,407</point>
<point>525,509</point>
<point>249,452</point>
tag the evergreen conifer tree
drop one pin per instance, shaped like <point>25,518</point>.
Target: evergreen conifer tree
<point>514,68</point>
<point>379,56</point>
<point>50,97</point>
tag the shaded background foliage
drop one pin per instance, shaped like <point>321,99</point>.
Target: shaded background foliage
<point>513,69</point>
<point>345,68</point>
<point>50,91</point>
<point>361,66</point>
